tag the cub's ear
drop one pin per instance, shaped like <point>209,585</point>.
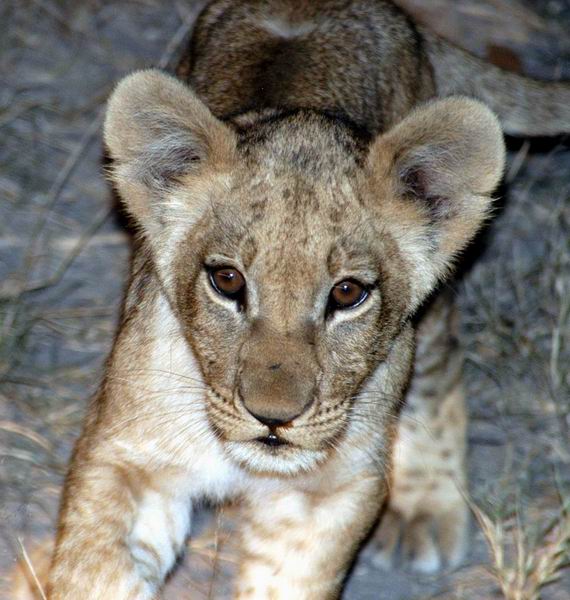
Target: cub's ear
<point>158,133</point>
<point>435,171</point>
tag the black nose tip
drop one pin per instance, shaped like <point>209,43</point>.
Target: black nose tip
<point>271,421</point>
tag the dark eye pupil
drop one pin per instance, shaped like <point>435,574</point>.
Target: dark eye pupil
<point>227,282</point>
<point>347,294</point>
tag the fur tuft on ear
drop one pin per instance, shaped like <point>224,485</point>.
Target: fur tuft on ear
<point>157,132</point>
<point>448,149</point>
<point>442,161</point>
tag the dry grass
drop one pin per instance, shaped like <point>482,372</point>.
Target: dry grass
<point>533,566</point>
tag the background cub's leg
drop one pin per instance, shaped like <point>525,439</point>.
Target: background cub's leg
<point>297,546</point>
<point>121,530</point>
<point>427,512</point>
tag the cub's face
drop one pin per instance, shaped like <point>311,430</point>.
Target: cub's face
<point>290,297</point>
<point>294,252</point>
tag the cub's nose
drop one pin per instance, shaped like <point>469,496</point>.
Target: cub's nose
<point>277,377</point>
<point>274,398</point>
<point>272,421</point>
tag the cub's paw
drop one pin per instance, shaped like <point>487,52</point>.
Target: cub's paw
<point>425,542</point>
<point>426,524</point>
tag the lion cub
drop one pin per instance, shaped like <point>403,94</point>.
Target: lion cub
<point>296,204</point>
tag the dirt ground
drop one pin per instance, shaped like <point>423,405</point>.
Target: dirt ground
<point>64,258</point>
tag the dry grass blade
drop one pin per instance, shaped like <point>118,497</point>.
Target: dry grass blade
<point>524,575</point>
<point>180,36</point>
<point>30,566</point>
<point>27,433</point>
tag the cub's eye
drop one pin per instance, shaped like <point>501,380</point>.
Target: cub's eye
<point>228,282</point>
<point>347,294</point>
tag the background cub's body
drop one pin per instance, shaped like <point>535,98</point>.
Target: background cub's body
<point>311,139</point>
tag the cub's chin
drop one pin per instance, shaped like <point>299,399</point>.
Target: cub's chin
<point>265,456</point>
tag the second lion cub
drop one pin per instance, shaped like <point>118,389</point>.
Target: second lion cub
<point>299,193</point>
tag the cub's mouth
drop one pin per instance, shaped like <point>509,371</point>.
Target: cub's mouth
<point>272,456</point>
<point>272,440</point>
<point>272,447</point>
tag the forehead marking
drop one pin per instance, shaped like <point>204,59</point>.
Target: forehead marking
<point>334,260</point>
<point>248,251</point>
<point>283,28</point>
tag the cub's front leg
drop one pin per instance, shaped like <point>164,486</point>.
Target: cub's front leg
<point>121,529</point>
<point>427,511</point>
<point>298,545</point>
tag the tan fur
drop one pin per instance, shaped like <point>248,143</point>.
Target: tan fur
<point>299,166</point>
<point>427,509</point>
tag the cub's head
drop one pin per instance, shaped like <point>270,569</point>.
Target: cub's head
<point>294,251</point>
